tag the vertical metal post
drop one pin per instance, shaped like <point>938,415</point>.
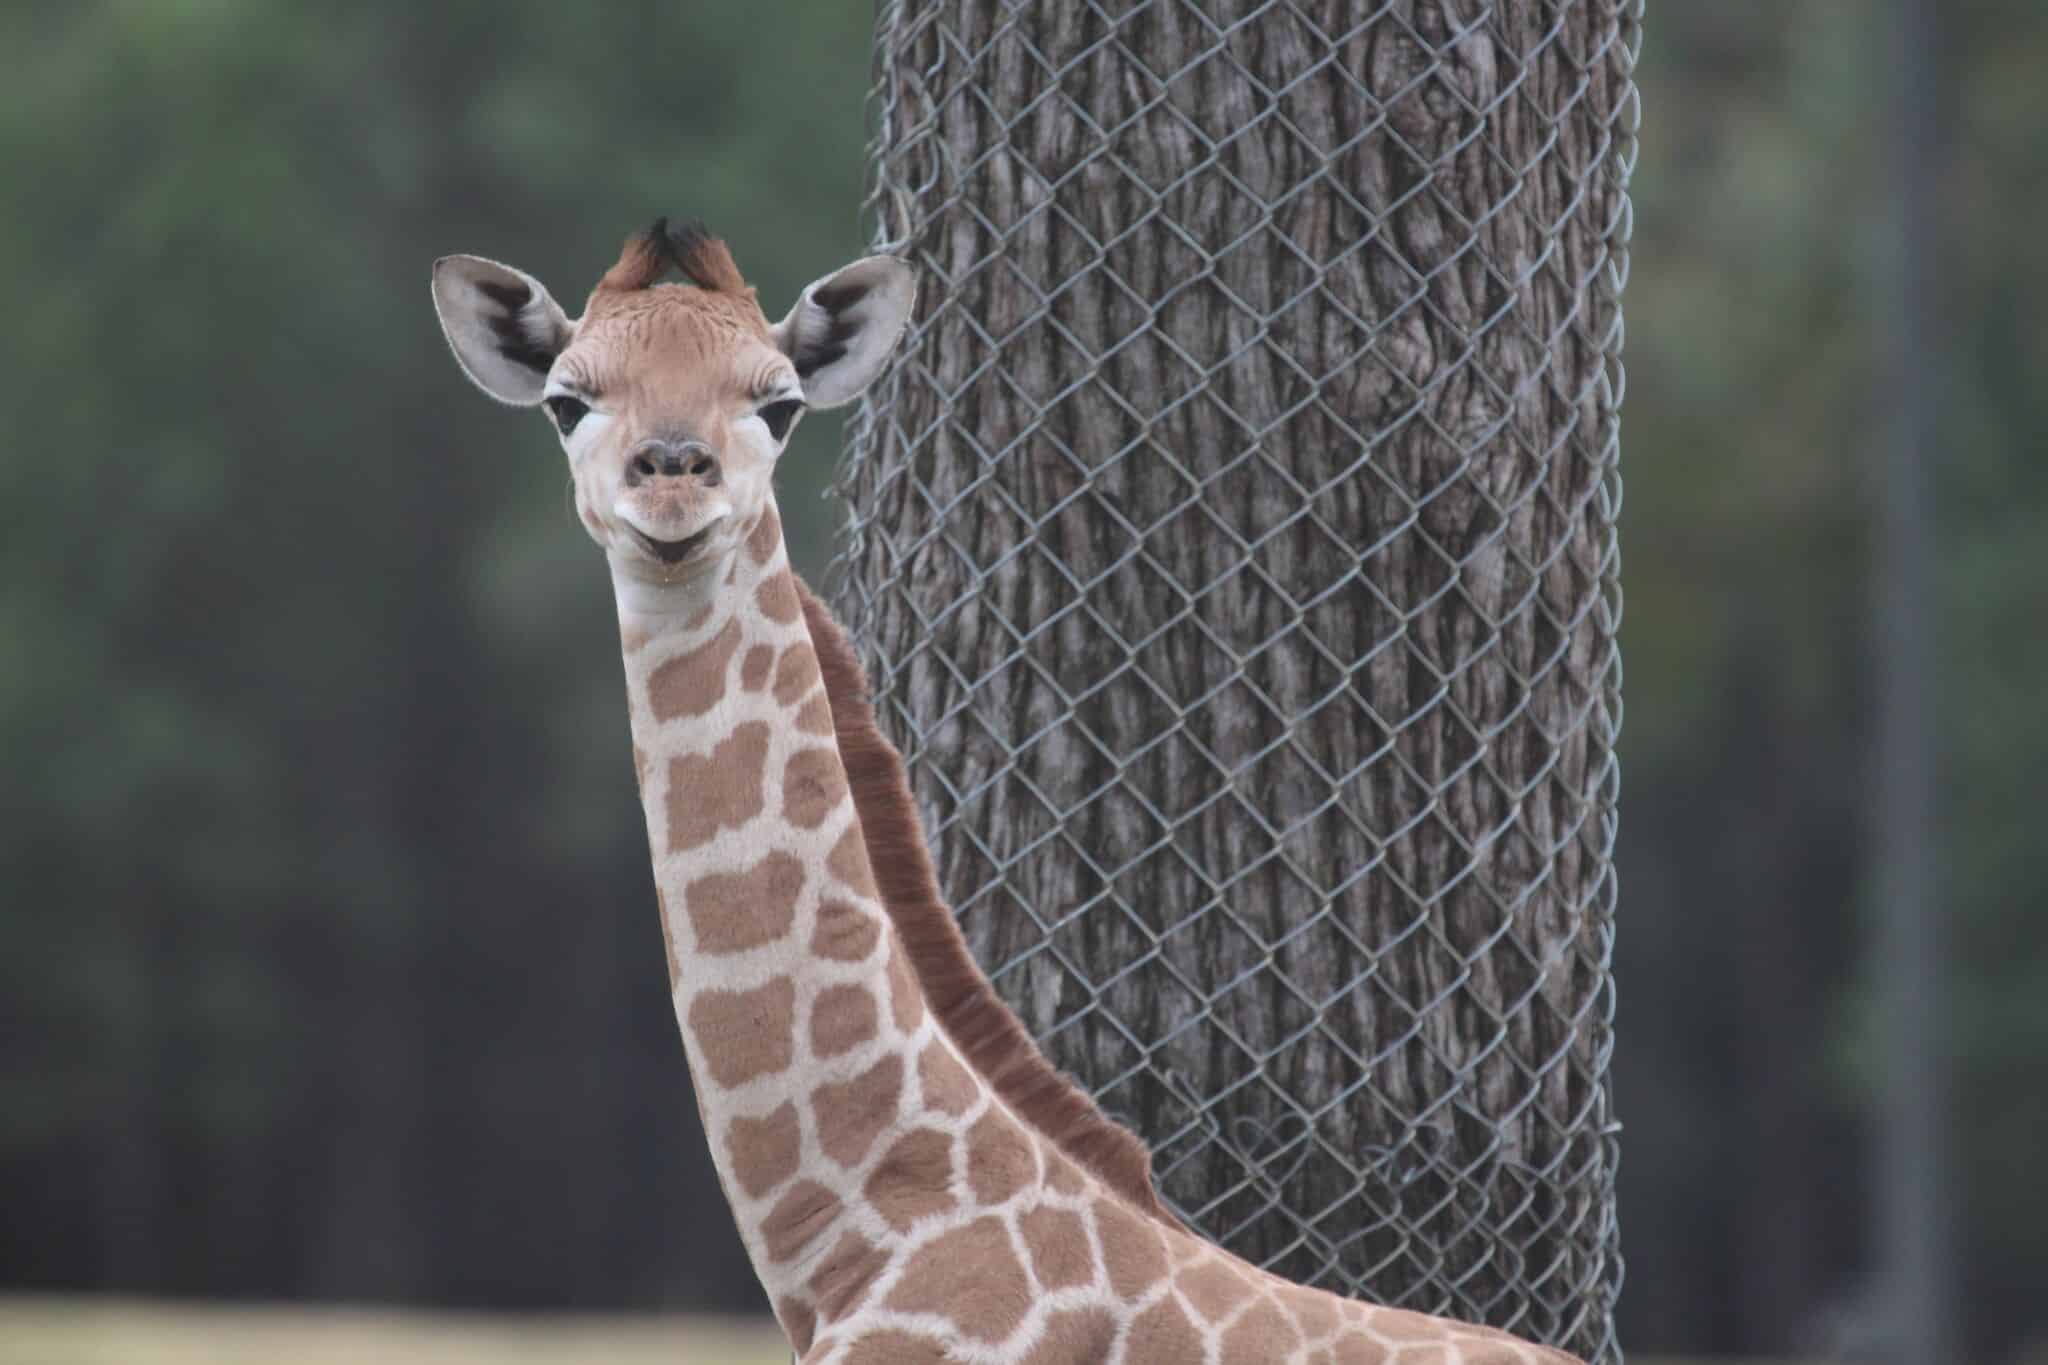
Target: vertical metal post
<point>1912,1188</point>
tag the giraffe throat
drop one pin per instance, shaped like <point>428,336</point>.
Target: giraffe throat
<point>818,1068</point>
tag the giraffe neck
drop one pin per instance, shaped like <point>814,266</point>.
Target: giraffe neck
<point>888,1197</point>
<point>809,1043</point>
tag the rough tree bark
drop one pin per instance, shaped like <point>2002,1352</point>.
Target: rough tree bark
<point>1235,552</point>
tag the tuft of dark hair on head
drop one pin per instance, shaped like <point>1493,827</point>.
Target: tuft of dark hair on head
<point>688,248</point>
<point>702,258</point>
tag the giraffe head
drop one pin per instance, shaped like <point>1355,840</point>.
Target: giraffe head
<point>672,400</point>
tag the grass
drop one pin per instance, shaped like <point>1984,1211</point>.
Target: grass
<point>93,1331</point>
<point>103,1331</point>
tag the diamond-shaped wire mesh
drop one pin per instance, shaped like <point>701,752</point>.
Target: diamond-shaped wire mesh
<point>1234,548</point>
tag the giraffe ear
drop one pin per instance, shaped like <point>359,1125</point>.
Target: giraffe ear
<point>841,331</point>
<point>502,325</point>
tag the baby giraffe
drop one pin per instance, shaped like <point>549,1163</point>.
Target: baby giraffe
<point>912,1181</point>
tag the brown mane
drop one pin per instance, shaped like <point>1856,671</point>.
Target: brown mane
<point>968,1008</point>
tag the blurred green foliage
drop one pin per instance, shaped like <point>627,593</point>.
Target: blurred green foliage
<point>1755,417</point>
<point>328,963</point>
<point>327,927</point>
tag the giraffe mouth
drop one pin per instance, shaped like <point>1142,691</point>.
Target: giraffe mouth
<point>671,551</point>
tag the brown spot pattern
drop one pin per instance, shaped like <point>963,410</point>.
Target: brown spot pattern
<point>796,673</point>
<point>1398,1324</point>
<point>999,1159</point>
<point>734,911</point>
<point>1077,1334</point>
<point>798,1217</point>
<point>972,1276</point>
<point>1131,1251</point>
<point>764,1151</point>
<point>777,599</point>
<point>767,532</point>
<point>692,683</point>
<point>842,1279</point>
<point>845,933</point>
<point>1057,1241</point>
<point>1316,1312</point>
<point>746,1034</point>
<point>851,1116</point>
<point>1163,1332</point>
<point>754,668</point>
<point>842,1019</point>
<point>1262,1335</point>
<point>896,1348</point>
<point>813,786</point>
<point>913,1179</point>
<point>707,793</point>
<point>1358,1349</point>
<point>816,716</point>
<point>1438,1354</point>
<point>1214,1288</point>
<point>849,863</point>
<point>947,1086</point>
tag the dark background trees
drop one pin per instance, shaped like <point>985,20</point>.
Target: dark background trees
<point>327,958</point>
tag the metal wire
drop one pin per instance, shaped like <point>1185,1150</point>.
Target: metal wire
<point>1234,550</point>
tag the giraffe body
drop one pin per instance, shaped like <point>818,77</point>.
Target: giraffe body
<point>898,1203</point>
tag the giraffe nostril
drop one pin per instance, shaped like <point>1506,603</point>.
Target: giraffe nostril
<point>702,465</point>
<point>642,467</point>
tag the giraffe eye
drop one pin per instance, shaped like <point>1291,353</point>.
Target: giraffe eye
<point>566,411</point>
<point>779,415</point>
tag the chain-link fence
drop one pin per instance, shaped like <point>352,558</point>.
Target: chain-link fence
<point>1234,547</point>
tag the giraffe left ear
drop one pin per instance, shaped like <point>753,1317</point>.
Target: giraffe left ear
<point>502,324</point>
<point>841,331</point>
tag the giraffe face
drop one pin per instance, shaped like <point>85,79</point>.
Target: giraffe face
<point>672,400</point>
<point>672,404</point>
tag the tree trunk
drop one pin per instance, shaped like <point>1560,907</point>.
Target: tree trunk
<point>1235,552</point>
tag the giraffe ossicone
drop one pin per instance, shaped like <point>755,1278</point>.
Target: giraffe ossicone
<point>912,1179</point>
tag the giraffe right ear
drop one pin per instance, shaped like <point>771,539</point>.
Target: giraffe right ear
<point>502,325</point>
<point>842,330</point>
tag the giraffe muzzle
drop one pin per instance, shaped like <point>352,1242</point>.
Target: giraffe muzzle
<point>672,551</point>
<point>686,463</point>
